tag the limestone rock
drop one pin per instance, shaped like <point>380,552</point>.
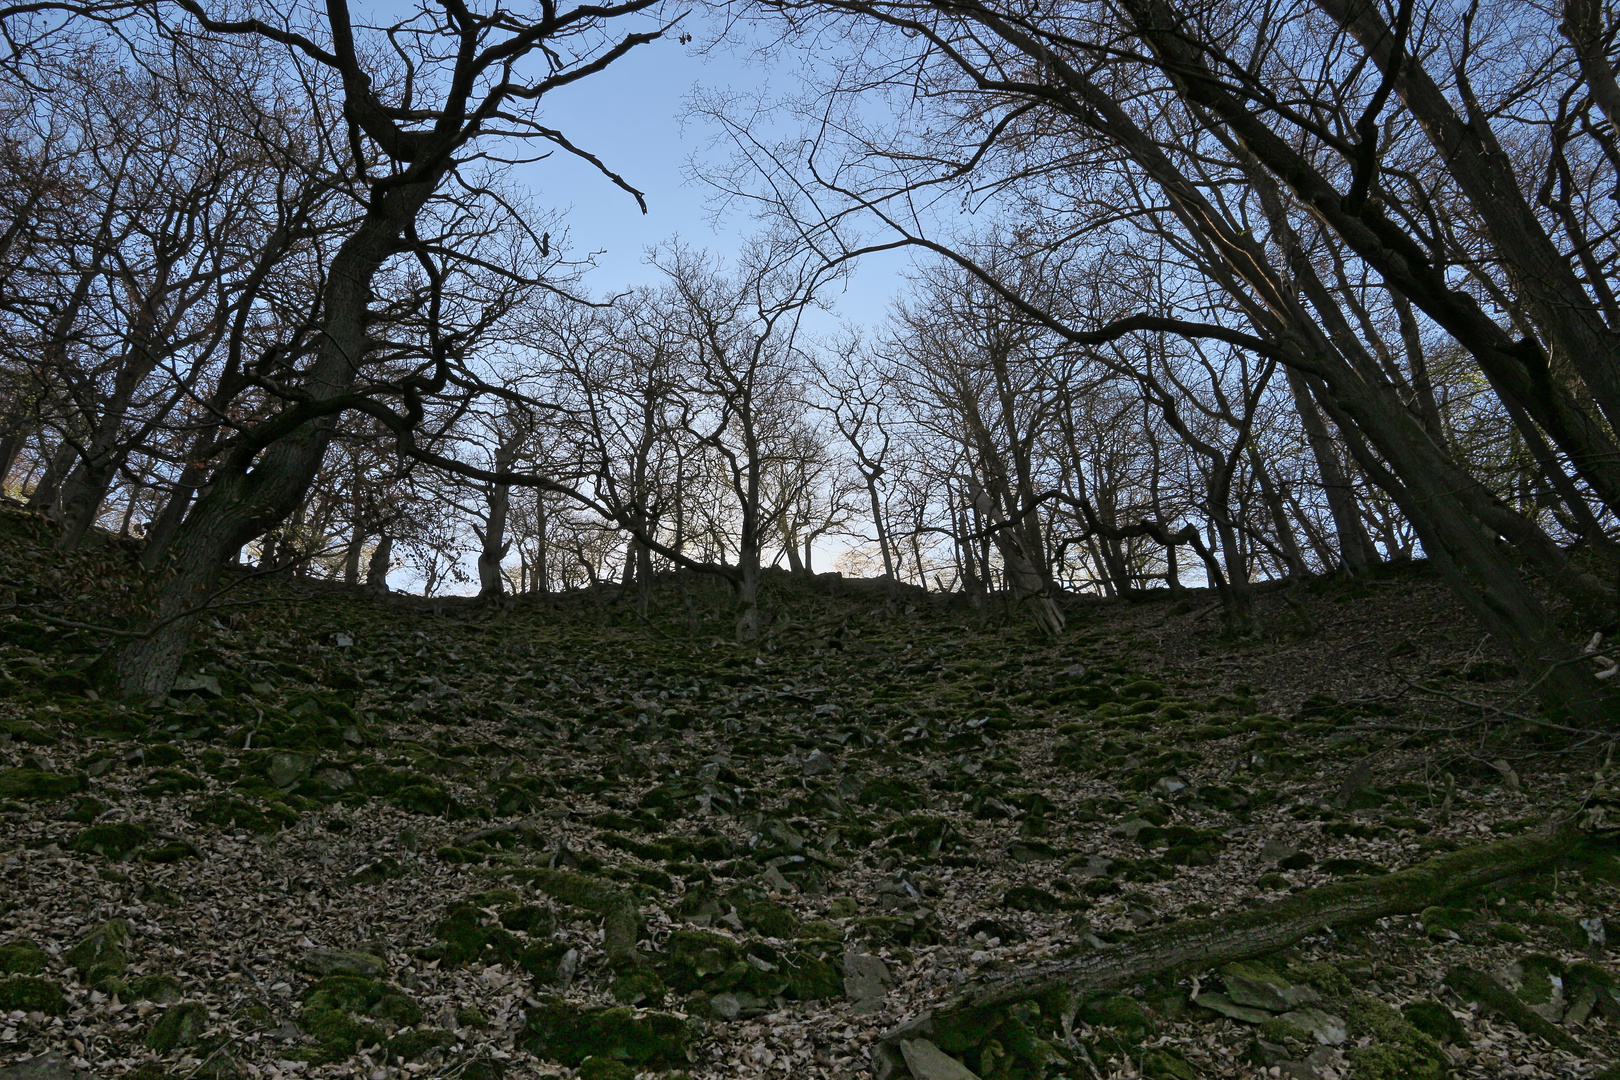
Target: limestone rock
<point>1324,1027</point>
<point>928,1062</point>
<point>47,1066</point>
<point>866,982</point>
<point>1224,1005</point>
<point>322,962</point>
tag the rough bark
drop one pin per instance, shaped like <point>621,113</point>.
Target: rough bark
<point>1201,943</point>
<point>249,494</point>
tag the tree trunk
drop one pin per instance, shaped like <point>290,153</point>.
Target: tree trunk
<point>967,1018</point>
<point>46,494</point>
<point>495,546</point>
<point>378,566</point>
<point>252,490</point>
<point>1024,578</point>
<point>1292,558</point>
<point>351,557</point>
<point>746,585</point>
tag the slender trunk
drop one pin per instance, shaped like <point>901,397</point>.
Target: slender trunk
<point>746,585</point>
<point>378,565</point>
<point>495,546</point>
<point>351,557</point>
<point>46,494</point>
<point>880,528</point>
<point>1292,559</point>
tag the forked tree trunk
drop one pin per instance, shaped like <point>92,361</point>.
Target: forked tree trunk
<point>251,492</point>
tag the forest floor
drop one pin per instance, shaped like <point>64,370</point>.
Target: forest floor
<point>386,837</point>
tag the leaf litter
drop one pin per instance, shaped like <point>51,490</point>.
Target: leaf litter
<point>385,837</point>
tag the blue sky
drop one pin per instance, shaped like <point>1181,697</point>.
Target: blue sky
<point>630,117</point>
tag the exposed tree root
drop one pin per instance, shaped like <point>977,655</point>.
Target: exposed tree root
<point>1201,943</point>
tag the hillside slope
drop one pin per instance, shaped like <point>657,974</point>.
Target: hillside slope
<point>379,836</point>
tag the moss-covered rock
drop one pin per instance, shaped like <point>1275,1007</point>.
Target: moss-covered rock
<point>1436,1021</point>
<point>21,958</point>
<point>114,841</point>
<point>811,978</point>
<point>33,784</point>
<point>557,1030</point>
<point>427,1044</point>
<point>100,954</point>
<point>1123,1014</point>
<point>159,988</point>
<point>601,1068</point>
<point>28,994</point>
<point>638,986</point>
<point>337,1010</point>
<point>1397,1051</point>
<point>233,813</point>
<point>694,957</point>
<point>180,1025</point>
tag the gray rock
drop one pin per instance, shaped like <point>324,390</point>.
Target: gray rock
<point>323,962</point>
<point>206,685</point>
<point>1322,1063</point>
<point>1270,1053</point>
<point>1169,785</point>
<point>777,881</point>
<point>1260,993</point>
<point>1275,851</point>
<point>287,768</point>
<point>1074,671</point>
<point>732,1005</point>
<point>1227,1007</point>
<point>819,762</point>
<point>1324,1027</point>
<point>928,1062</point>
<point>566,968</point>
<point>335,781</point>
<point>866,982</point>
<point>47,1066</point>
<point>1131,827</point>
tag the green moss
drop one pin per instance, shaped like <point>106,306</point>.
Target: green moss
<point>99,954</point>
<point>1277,1030</point>
<point>1166,1065</point>
<point>427,799</point>
<point>694,957</point>
<point>164,989</point>
<point>360,995</point>
<point>556,1030</point>
<point>810,978</point>
<point>638,986</point>
<point>180,1025</point>
<point>173,782</point>
<point>1447,924</point>
<point>21,958</point>
<point>762,915</point>
<point>1398,1051</point>
<point>1478,987</point>
<point>33,784</point>
<point>28,994</point>
<point>233,813</point>
<point>1436,1021</point>
<point>1322,975</point>
<point>170,852</point>
<point>601,1068</point>
<point>414,1045</point>
<point>114,841</point>
<point>1123,1014</point>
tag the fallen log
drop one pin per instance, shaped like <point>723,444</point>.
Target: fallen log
<point>1196,944</point>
